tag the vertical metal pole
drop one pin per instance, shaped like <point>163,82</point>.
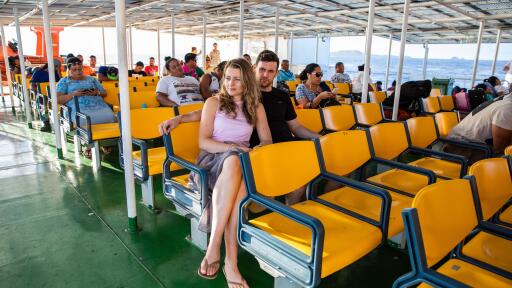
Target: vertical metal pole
<point>403,39</point>
<point>204,41</point>
<point>125,115</point>
<point>241,33</point>
<point>316,48</point>
<point>1,81</point>
<point>158,50</point>
<point>173,35</point>
<point>389,59</point>
<point>51,73</point>
<point>131,48</point>
<point>291,49</point>
<point>23,72</point>
<point>368,50</point>
<point>7,67</point>
<point>425,61</point>
<point>498,41</point>
<point>276,45</point>
<point>104,49</point>
<point>477,56</point>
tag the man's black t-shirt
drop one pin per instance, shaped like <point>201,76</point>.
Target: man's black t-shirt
<point>279,109</point>
<point>140,73</point>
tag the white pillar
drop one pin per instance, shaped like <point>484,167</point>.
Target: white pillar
<point>204,41</point>
<point>403,39</point>
<point>173,35</point>
<point>477,56</point>
<point>7,67</point>
<point>131,49</point>
<point>125,114</point>
<point>368,50</point>
<point>316,48</point>
<point>241,32</point>
<point>425,61</point>
<point>291,50</point>
<point>158,51</point>
<point>104,49</point>
<point>498,41</point>
<point>51,73</point>
<point>276,45</point>
<point>23,72</point>
<point>389,60</point>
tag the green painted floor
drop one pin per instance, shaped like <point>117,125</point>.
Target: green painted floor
<point>63,225</point>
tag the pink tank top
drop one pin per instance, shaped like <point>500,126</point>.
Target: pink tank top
<point>232,130</point>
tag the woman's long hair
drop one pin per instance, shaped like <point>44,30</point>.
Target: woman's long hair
<point>310,68</point>
<point>251,92</point>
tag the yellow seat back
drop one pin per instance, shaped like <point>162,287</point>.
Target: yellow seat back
<point>112,90</point>
<point>310,118</point>
<point>422,131</point>
<point>368,113</point>
<point>143,99</point>
<point>445,122</point>
<point>494,184</point>
<point>17,78</point>
<point>144,122</point>
<point>189,108</point>
<point>339,118</point>
<point>292,86</point>
<point>431,104</point>
<point>185,141</point>
<point>446,102</point>
<point>389,140</point>
<point>345,151</point>
<point>43,88</point>
<point>343,88</point>
<point>281,168</point>
<point>508,150</point>
<point>446,215</point>
<point>377,97</point>
<point>329,84</point>
<point>435,92</point>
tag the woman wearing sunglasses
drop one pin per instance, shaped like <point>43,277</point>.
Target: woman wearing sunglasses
<point>313,92</point>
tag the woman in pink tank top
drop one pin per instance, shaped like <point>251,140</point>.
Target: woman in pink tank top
<point>227,122</point>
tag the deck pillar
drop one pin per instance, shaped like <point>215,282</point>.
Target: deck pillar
<point>403,40</point>
<point>368,51</point>
<point>425,60</point>
<point>498,41</point>
<point>477,56</point>
<point>28,112</point>
<point>241,32</point>
<point>7,68</point>
<point>390,45</point>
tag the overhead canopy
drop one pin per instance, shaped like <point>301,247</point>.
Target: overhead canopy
<point>438,21</point>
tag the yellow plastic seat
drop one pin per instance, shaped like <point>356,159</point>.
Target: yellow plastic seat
<point>446,102</point>
<point>440,167</point>
<point>431,104</point>
<point>508,150</point>
<point>105,131</point>
<point>338,118</point>
<point>310,118</point>
<point>490,249</point>
<point>471,275</point>
<point>506,216</point>
<point>184,109</point>
<point>143,99</point>
<point>378,97</point>
<point>346,239</point>
<point>292,86</point>
<point>445,122</point>
<point>435,92</point>
<point>368,114</point>
<point>329,84</point>
<point>401,180</point>
<point>343,88</point>
<point>156,157</point>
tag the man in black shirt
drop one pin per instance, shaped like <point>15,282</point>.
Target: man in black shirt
<point>138,70</point>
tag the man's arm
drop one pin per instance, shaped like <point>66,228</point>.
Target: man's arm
<point>163,99</point>
<point>204,86</point>
<point>166,126</point>
<point>300,131</point>
<point>501,138</point>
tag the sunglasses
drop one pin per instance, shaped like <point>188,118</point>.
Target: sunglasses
<point>318,74</point>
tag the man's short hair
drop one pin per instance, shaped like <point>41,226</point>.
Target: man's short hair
<point>92,56</point>
<point>285,60</point>
<point>190,56</point>
<point>215,43</point>
<point>139,63</point>
<point>267,56</point>
<point>168,62</point>
<point>338,64</point>
<point>151,58</point>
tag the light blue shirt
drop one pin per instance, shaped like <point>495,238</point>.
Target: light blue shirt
<point>283,76</point>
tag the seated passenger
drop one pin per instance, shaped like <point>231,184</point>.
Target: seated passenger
<point>494,83</point>
<point>176,88</point>
<point>340,76</point>
<point>88,71</point>
<point>490,124</point>
<point>106,73</point>
<point>190,67</point>
<point>151,69</point>
<point>411,93</point>
<point>41,75</point>
<point>138,71</point>
<point>284,73</point>
<point>248,58</point>
<point>90,95</point>
<point>211,82</point>
<point>357,83</point>
<point>313,92</point>
<point>227,122</point>
<point>378,85</point>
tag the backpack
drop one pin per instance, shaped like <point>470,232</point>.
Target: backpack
<point>462,101</point>
<point>476,97</point>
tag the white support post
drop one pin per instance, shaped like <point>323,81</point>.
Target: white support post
<point>120,10</point>
<point>498,41</point>
<point>158,51</point>
<point>368,51</point>
<point>7,67</point>
<point>291,50</point>
<point>241,32</point>
<point>104,49</point>
<point>425,60</point>
<point>477,56</point>
<point>173,35</point>
<point>403,40</point>
<point>389,59</point>
<point>316,48</point>
<point>51,73</point>
<point>276,45</point>
<point>131,49</point>
<point>204,41</point>
<point>23,72</point>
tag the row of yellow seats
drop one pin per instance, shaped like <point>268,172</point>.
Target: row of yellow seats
<point>435,104</point>
<point>343,88</point>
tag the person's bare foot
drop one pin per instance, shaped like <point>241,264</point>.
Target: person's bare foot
<point>233,276</point>
<point>211,263</point>
<point>106,149</point>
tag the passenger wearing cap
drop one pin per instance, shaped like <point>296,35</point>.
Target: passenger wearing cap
<point>106,73</point>
<point>190,67</point>
<point>138,71</point>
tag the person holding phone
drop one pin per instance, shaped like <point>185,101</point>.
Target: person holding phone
<point>313,92</point>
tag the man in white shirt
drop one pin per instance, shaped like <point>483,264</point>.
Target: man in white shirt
<point>176,89</point>
<point>491,125</point>
<point>508,69</point>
